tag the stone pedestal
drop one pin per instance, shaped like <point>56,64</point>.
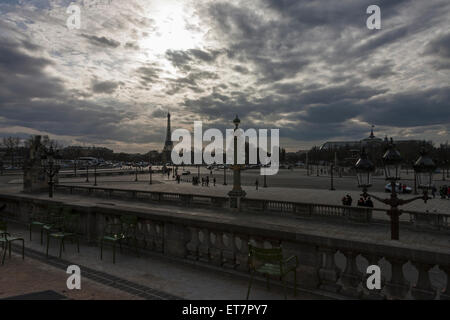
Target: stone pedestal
<point>35,179</point>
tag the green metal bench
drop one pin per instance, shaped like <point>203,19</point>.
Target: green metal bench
<point>270,262</point>
<point>6,239</point>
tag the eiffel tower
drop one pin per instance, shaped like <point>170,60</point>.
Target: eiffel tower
<point>168,144</point>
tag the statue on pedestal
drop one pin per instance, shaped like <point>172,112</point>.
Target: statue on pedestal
<point>34,177</point>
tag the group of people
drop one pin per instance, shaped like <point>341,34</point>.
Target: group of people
<point>445,192</point>
<point>362,202</point>
<point>347,200</point>
<point>365,202</point>
<point>205,181</point>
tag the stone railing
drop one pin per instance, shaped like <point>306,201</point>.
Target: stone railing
<point>104,172</point>
<point>417,220</point>
<point>327,264</point>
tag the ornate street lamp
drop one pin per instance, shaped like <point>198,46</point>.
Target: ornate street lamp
<point>224,174</point>
<point>332,177</point>
<point>364,169</point>
<point>95,174</point>
<point>423,168</point>
<point>150,170</point>
<point>51,167</point>
<point>392,163</point>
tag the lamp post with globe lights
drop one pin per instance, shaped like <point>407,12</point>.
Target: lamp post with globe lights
<point>424,168</point>
<point>51,167</point>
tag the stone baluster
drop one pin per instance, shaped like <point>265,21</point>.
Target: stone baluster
<point>423,289</point>
<point>373,294</point>
<point>445,295</point>
<point>216,249</point>
<point>229,251</point>
<point>192,245</point>
<point>150,235</point>
<point>351,277</point>
<point>160,237</point>
<point>242,252</point>
<point>328,271</point>
<point>204,247</point>
<point>397,287</point>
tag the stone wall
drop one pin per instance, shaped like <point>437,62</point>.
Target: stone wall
<point>327,264</point>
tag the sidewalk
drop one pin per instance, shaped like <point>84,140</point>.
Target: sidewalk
<point>164,278</point>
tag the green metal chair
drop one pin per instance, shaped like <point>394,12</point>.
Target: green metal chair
<point>270,262</point>
<point>67,227</point>
<point>44,221</point>
<point>116,233</point>
<point>6,239</point>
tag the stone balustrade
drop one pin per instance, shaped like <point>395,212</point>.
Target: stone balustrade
<point>417,220</point>
<point>334,265</point>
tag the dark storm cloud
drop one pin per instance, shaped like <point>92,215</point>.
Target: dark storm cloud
<point>439,50</point>
<point>30,98</point>
<point>104,86</point>
<point>132,46</point>
<point>417,108</point>
<point>311,67</point>
<point>13,59</point>
<point>148,74</point>
<point>22,76</point>
<point>185,60</point>
<point>382,71</point>
<point>102,41</point>
<point>159,113</point>
<point>439,47</point>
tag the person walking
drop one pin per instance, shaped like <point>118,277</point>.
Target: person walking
<point>214,181</point>
<point>207,181</point>
<point>256,184</point>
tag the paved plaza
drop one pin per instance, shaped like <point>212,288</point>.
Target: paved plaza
<point>301,194</point>
<point>147,277</point>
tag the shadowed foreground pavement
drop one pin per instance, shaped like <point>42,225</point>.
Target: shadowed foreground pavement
<point>149,277</point>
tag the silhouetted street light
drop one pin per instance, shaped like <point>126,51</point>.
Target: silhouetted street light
<point>332,177</point>
<point>150,170</point>
<point>51,168</point>
<point>135,172</point>
<point>224,174</point>
<point>95,174</point>
<point>424,168</point>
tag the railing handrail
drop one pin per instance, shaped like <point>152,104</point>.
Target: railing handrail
<point>265,201</point>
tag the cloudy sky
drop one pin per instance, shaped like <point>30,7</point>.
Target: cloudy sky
<point>310,68</point>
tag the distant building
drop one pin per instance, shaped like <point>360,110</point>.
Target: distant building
<point>371,140</point>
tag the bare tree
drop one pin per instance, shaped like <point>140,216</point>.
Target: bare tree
<point>12,145</point>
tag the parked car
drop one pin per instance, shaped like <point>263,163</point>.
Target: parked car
<point>186,173</point>
<point>398,188</point>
